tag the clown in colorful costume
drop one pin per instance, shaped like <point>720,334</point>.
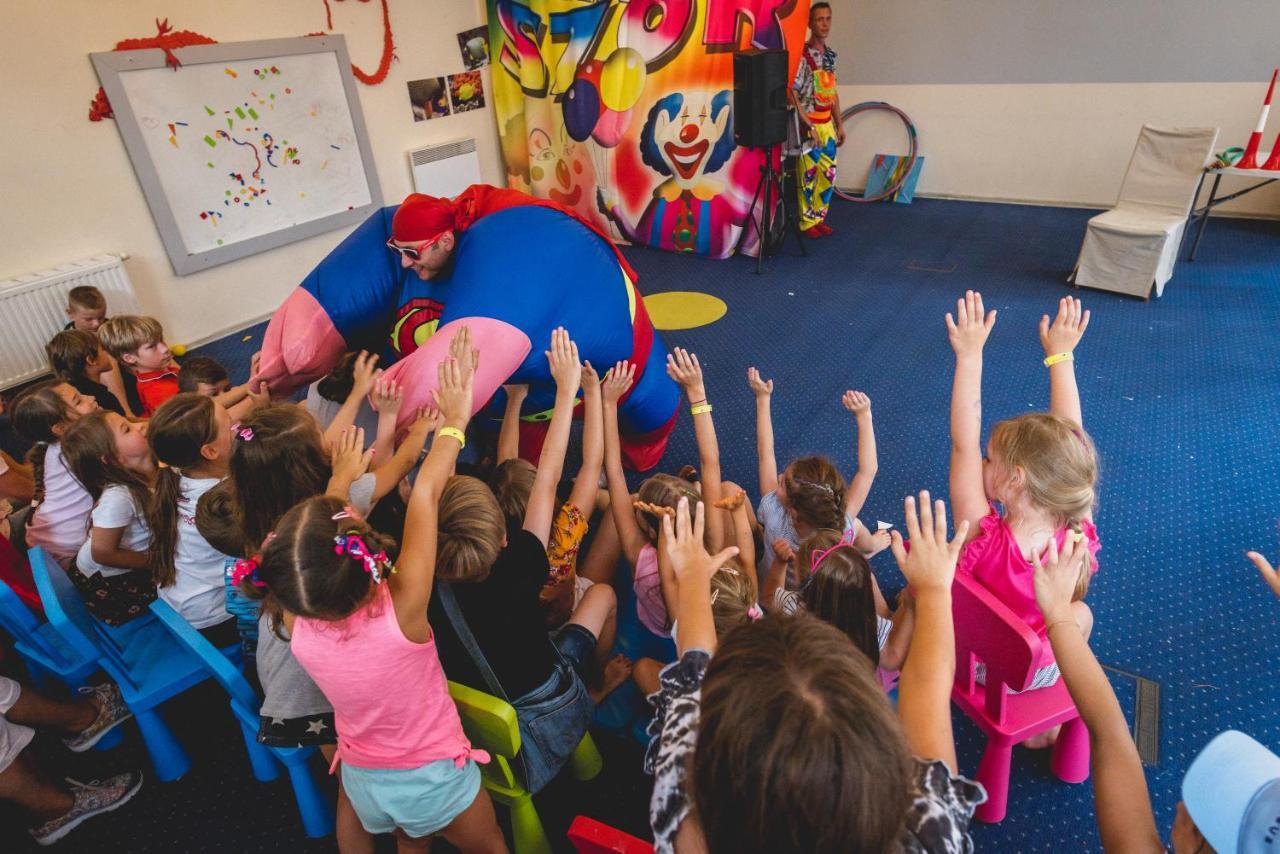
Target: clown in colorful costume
<point>509,266</point>
<point>813,96</point>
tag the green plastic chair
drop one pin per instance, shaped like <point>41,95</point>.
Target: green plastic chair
<point>491,725</point>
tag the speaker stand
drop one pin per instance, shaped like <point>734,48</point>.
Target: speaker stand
<point>765,227</point>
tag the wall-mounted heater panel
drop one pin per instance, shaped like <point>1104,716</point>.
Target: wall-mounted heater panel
<point>33,310</point>
<point>446,169</point>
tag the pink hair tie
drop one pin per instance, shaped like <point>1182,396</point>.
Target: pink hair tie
<point>245,433</point>
<point>246,568</point>
<point>755,612</point>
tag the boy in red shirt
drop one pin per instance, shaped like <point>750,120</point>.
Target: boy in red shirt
<point>137,343</point>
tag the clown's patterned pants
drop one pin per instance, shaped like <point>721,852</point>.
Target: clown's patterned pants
<point>817,175</point>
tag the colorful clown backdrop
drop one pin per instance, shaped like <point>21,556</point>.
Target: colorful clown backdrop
<point>623,110</point>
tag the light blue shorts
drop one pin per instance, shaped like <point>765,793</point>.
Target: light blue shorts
<point>420,801</point>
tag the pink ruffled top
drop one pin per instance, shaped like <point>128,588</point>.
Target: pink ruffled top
<point>995,560</point>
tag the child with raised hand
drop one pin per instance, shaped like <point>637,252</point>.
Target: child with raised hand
<point>191,436</point>
<point>110,457</point>
<point>60,518</point>
<point>498,567</point>
<point>785,741</point>
<point>638,521</point>
<point>810,494</point>
<point>358,624</point>
<point>1121,801</point>
<point>513,481</point>
<point>1040,466</point>
<point>280,458</point>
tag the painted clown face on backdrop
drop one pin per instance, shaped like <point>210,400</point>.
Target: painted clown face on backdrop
<point>687,140</point>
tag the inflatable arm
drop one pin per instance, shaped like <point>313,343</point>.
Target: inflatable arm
<point>345,303</point>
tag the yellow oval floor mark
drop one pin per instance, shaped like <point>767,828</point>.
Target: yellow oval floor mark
<point>683,309</point>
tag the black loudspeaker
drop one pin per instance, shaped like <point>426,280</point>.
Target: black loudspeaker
<point>760,98</point>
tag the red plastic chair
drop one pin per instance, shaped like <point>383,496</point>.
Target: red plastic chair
<point>591,837</point>
<point>987,631</point>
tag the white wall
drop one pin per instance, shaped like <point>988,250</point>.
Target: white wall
<point>69,188</point>
<point>1049,144</point>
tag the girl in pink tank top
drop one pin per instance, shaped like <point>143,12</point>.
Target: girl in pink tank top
<point>1040,466</point>
<point>359,628</point>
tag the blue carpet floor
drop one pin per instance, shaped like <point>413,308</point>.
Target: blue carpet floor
<point>1179,394</point>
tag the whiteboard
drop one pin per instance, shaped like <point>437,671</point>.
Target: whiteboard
<point>247,146</point>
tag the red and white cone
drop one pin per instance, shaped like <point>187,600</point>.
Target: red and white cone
<point>1273,162</point>
<point>1250,159</point>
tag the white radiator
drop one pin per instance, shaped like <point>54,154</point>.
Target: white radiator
<point>446,169</point>
<point>33,308</point>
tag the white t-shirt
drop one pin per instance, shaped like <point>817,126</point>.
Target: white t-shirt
<point>324,411</point>
<point>197,592</point>
<point>115,509</point>
<point>61,523</point>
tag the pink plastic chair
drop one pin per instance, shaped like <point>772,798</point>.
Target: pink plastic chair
<point>987,631</point>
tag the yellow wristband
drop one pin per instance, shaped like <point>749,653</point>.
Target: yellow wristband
<point>1050,361</point>
<point>700,409</point>
<point>453,433</point>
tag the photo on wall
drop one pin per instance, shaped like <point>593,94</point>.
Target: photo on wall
<point>428,98</point>
<point>474,44</point>
<point>466,91</point>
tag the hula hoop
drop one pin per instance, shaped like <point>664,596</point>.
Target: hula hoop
<point>904,172</point>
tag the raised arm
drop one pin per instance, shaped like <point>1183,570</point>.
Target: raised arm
<point>1125,821</point>
<point>415,570</point>
<point>685,369</point>
<point>386,399</point>
<point>735,504</point>
<point>567,372</point>
<point>860,484</point>
<point>348,460</point>
<point>364,374</point>
<point>924,692</point>
<point>388,476</point>
<point>767,463</point>
<point>509,435</point>
<point>1059,340</point>
<point>616,382</point>
<point>968,332</point>
<point>587,483</point>
<point>692,568</point>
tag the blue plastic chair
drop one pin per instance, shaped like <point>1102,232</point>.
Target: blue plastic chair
<point>314,807</point>
<point>140,656</point>
<point>40,646</point>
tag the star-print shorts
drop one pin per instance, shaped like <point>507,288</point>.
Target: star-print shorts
<point>297,732</point>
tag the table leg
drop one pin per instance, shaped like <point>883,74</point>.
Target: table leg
<point>1191,215</point>
<point>1204,219</point>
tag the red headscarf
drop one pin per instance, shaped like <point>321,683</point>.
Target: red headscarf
<point>421,217</point>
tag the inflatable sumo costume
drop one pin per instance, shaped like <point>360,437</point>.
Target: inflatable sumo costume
<point>520,267</point>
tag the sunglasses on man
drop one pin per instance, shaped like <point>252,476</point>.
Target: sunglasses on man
<point>413,253</point>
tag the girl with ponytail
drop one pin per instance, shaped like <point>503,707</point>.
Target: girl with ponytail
<point>190,435</point>
<point>60,521</point>
<point>110,457</point>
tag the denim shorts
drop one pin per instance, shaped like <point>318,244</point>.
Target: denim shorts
<point>577,644</point>
<point>420,801</point>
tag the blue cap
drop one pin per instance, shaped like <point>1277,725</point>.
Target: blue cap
<point>1232,792</point>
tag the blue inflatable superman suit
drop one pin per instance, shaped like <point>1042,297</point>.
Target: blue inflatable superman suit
<point>513,268</point>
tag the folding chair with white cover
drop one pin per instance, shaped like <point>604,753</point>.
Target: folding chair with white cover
<point>1134,246</point>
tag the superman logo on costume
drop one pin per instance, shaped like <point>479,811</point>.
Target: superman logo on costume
<point>416,321</point>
